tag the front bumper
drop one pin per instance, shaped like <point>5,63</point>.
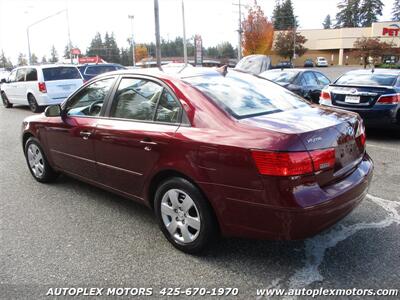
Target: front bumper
<point>239,216</point>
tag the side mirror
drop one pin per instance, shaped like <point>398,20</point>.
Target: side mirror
<point>3,80</point>
<point>53,111</point>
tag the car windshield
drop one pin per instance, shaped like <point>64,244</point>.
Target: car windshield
<point>61,73</point>
<point>244,95</point>
<point>283,77</point>
<point>367,79</point>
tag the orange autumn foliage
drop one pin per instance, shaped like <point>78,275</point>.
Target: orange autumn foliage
<point>140,52</point>
<point>258,32</point>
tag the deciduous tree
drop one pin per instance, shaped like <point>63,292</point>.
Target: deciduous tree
<point>140,52</point>
<point>284,44</point>
<point>258,32</point>
<point>371,47</point>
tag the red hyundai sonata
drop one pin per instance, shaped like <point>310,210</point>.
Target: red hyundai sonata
<point>210,152</point>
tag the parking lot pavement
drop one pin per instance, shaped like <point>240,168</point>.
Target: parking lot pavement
<point>72,234</point>
<point>334,72</point>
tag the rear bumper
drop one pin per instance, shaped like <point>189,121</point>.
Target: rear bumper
<point>44,99</point>
<point>240,215</point>
<point>378,114</point>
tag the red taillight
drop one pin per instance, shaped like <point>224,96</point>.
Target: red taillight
<point>42,87</point>
<point>325,95</point>
<point>389,99</point>
<point>293,163</point>
<point>360,134</point>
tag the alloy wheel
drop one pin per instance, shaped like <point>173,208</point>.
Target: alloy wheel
<point>36,161</point>
<point>180,216</point>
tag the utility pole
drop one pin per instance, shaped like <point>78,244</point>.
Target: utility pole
<point>131,17</point>
<point>240,31</point>
<point>185,58</point>
<point>157,30</point>
<point>294,38</point>
<point>69,34</point>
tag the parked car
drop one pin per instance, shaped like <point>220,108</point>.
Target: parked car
<point>208,151</point>
<point>321,62</point>
<point>284,65</point>
<point>254,64</point>
<point>90,71</point>
<point>374,95</point>
<point>308,63</point>
<point>305,83</point>
<point>39,86</point>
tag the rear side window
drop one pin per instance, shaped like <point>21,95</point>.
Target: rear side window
<point>96,70</point>
<point>31,75</point>
<point>310,79</point>
<point>20,75</point>
<point>61,73</point>
<point>244,95</point>
<point>322,79</point>
<point>283,76</point>
<point>367,79</point>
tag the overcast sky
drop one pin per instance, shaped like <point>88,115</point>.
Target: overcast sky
<point>214,20</point>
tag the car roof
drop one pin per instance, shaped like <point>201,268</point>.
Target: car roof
<point>45,66</point>
<point>395,72</point>
<point>102,64</point>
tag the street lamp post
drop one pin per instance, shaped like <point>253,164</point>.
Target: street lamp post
<point>185,58</point>
<point>37,22</point>
<point>131,17</point>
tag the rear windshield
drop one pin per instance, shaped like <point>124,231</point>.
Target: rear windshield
<point>96,70</point>
<point>244,95</point>
<point>367,79</point>
<point>61,73</point>
<point>284,77</point>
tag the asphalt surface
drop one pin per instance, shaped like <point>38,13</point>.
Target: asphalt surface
<point>70,234</point>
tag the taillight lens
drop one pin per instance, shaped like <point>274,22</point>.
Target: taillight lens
<point>42,87</point>
<point>293,163</point>
<point>389,99</point>
<point>360,134</point>
<point>325,97</point>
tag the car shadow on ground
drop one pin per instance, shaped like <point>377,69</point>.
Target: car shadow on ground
<point>383,134</point>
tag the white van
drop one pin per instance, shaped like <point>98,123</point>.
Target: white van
<point>39,86</point>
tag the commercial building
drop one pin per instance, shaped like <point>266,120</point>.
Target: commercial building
<point>336,45</point>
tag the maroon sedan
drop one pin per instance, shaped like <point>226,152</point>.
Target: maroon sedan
<point>210,152</point>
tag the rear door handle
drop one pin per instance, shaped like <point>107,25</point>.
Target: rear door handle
<point>85,134</point>
<point>147,142</point>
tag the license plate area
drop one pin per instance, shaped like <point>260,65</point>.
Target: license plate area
<point>352,99</point>
<point>347,153</point>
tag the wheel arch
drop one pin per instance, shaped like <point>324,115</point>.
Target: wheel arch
<point>163,175</point>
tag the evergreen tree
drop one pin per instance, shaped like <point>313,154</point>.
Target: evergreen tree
<point>4,61</point>
<point>22,60</point>
<point>96,46</point>
<point>67,53</point>
<point>283,15</point>
<point>44,60</point>
<point>369,12</point>
<point>226,50</point>
<point>212,52</point>
<point>327,22</point>
<point>111,50</point>
<point>396,10</point>
<point>53,55</point>
<point>34,59</point>
<point>349,14</point>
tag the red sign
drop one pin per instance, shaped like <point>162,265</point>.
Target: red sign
<point>75,51</point>
<point>90,60</point>
<point>393,30</point>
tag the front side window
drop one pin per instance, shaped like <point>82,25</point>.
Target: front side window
<point>89,101</point>
<point>310,79</point>
<point>168,109</point>
<point>20,75</point>
<point>136,99</point>
<point>31,75</point>
<point>244,95</point>
<point>281,76</point>
<point>12,76</point>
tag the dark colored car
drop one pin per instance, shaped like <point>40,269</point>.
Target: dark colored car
<point>308,63</point>
<point>374,95</point>
<point>90,71</point>
<point>209,152</point>
<point>254,64</point>
<point>305,83</point>
<point>283,65</point>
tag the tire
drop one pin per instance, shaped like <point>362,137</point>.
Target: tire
<point>6,102</point>
<point>189,230</point>
<point>37,162</point>
<point>33,105</point>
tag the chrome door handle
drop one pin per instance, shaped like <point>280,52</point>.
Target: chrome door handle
<point>148,142</point>
<point>85,134</point>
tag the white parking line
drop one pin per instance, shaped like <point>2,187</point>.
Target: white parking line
<point>315,248</point>
<point>383,147</point>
